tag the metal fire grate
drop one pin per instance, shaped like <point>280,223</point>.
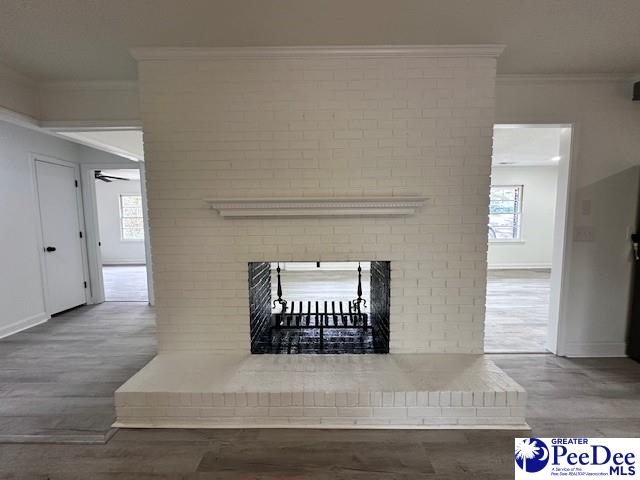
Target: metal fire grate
<point>347,315</point>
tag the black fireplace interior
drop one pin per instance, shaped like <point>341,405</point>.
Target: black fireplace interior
<point>334,307</point>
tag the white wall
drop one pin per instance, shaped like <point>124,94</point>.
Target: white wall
<point>80,102</point>
<point>358,126</point>
<point>21,299</point>
<point>115,250</point>
<point>535,247</point>
<point>606,142</point>
<point>601,279</point>
<point>63,103</point>
<point>18,93</point>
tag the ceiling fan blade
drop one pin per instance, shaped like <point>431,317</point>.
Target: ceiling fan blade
<point>115,178</point>
<point>100,176</point>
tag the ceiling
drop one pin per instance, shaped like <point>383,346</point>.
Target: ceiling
<point>125,143</point>
<point>88,39</point>
<point>130,173</point>
<point>526,146</point>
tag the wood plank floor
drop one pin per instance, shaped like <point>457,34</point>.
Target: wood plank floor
<point>125,283</point>
<point>587,397</point>
<point>517,311</point>
<point>59,377</point>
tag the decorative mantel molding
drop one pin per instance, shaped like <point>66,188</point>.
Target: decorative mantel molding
<point>316,207</point>
<point>369,51</point>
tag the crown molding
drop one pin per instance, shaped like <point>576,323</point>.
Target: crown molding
<point>83,125</point>
<point>132,85</point>
<point>19,119</point>
<point>381,51</point>
<point>54,129</point>
<point>291,207</point>
<point>508,79</point>
<point>95,144</point>
<point>8,73</point>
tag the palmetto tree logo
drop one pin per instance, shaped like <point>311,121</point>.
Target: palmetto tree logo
<point>532,455</point>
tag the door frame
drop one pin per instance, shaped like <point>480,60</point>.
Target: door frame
<point>93,233</point>
<point>556,341</point>
<point>563,223</point>
<point>33,158</point>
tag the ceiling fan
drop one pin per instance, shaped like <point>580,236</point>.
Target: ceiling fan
<point>107,178</point>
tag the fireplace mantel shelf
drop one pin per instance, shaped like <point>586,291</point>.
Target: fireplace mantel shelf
<point>297,207</point>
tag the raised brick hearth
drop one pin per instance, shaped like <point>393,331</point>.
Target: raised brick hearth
<point>321,391</point>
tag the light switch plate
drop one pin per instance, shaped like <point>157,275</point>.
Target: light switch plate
<point>585,207</point>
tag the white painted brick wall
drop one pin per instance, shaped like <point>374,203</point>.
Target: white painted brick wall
<point>319,127</point>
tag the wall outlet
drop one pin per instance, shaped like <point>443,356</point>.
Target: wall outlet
<point>583,234</point>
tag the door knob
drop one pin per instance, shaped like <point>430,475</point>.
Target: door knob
<point>50,249</point>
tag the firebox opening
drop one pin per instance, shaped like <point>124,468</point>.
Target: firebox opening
<point>319,307</point>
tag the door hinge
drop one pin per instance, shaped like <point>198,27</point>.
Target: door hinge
<point>80,234</point>
<point>76,183</point>
<point>85,284</point>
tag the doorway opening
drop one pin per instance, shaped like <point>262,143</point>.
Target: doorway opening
<point>115,205</point>
<point>527,220</point>
<point>121,230</point>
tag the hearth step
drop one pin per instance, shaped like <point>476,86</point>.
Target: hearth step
<point>321,391</point>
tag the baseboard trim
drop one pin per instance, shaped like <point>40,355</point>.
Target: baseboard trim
<point>23,324</point>
<point>596,349</point>
<point>200,423</point>
<point>519,266</point>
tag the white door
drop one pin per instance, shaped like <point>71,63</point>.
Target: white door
<point>64,272</point>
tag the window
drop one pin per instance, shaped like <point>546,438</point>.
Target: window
<point>131,226</point>
<point>505,212</point>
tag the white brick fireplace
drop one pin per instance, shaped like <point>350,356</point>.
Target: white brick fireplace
<point>260,124</point>
<point>236,123</point>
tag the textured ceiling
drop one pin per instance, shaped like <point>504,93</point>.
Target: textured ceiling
<point>88,39</point>
<point>526,146</point>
